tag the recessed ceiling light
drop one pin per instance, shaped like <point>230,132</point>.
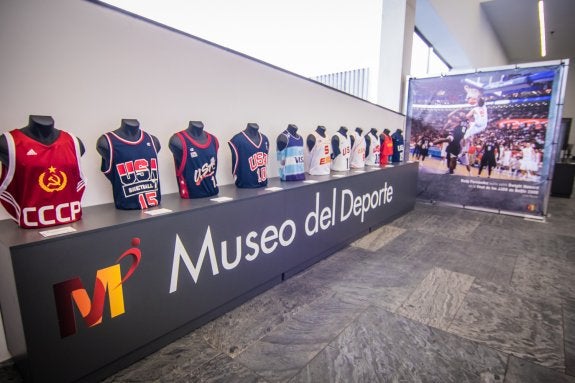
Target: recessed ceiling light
<point>542,28</point>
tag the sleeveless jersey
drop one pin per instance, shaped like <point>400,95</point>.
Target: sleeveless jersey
<point>357,160</point>
<point>43,184</point>
<point>479,123</point>
<point>250,167</point>
<point>488,157</point>
<point>341,162</point>
<point>397,147</point>
<point>197,171</point>
<point>290,158</point>
<point>132,168</point>
<point>480,116</point>
<point>318,159</point>
<point>454,146</point>
<point>372,158</point>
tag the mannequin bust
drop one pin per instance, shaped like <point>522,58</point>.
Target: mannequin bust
<point>129,130</point>
<point>368,138</point>
<point>39,128</point>
<point>352,137</point>
<point>310,141</point>
<point>252,131</point>
<point>335,141</point>
<point>383,134</point>
<point>282,140</point>
<point>196,131</point>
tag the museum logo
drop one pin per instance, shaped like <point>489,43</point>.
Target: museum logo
<point>108,280</point>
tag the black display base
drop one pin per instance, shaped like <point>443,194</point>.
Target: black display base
<point>563,177</point>
<point>82,305</point>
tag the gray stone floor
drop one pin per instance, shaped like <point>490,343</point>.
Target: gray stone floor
<point>439,295</point>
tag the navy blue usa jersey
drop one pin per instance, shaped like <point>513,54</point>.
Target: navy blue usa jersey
<point>397,147</point>
<point>132,168</point>
<point>251,160</point>
<point>197,171</point>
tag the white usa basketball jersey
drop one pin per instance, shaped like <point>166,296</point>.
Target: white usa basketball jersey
<point>357,151</point>
<point>341,162</point>
<point>372,158</point>
<point>318,159</point>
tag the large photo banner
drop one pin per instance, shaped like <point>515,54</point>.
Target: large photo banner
<point>487,139</point>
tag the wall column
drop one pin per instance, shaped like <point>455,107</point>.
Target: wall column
<point>397,26</point>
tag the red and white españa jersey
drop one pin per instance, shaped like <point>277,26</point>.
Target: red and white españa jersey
<point>317,161</point>
<point>43,184</point>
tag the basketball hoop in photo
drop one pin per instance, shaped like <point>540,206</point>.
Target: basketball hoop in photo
<point>473,94</point>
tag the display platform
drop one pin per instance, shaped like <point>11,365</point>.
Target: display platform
<point>82,305</point>
<point>563,176</point>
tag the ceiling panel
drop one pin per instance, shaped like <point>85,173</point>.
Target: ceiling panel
<point>516,24</point>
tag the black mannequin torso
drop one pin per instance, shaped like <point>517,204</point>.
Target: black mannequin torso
<point>335,141</point>
<point>282,140</point>
<point>359,131</point>
<point>196,131</point>
<point>252,131</point>
<point>41,129</point>
<point>311,138</point>
<point>129,130</point>
<point>384,134</point>
<point>368,138</point>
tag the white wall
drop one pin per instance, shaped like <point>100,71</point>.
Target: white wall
<point>89,66</point>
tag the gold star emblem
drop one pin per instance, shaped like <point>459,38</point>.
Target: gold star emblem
<point>52,169</point>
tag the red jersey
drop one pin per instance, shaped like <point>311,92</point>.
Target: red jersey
<point>386,149</point>
<point>43,184</point>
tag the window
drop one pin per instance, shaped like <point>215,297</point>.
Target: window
<point>336,43</point>
<point>424,59</point>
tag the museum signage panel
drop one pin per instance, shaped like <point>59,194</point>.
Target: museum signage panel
<point>91,298</point>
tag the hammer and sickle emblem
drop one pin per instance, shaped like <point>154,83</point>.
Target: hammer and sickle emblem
<point>57,181</point>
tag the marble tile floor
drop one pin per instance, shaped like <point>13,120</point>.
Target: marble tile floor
<point>439,295</point>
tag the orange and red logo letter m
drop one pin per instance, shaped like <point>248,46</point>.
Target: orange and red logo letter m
<point>108,280</point>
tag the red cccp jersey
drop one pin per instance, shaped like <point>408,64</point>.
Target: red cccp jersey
<point>43,184</point>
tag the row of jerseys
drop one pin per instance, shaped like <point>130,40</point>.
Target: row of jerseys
<point>318,156</point>
<point>42,185</point>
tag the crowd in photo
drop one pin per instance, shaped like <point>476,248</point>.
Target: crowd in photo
<point>515,130</point>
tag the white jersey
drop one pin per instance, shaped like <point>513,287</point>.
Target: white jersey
<point>529,161</point>
<point>506,157</point>
<point>341,162</point>
<point>357,160</point>
<point>318,159</point>
<point>479,121</point>
<point>480,116</point>
<point>372,158</point>
<point>464,154</point>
